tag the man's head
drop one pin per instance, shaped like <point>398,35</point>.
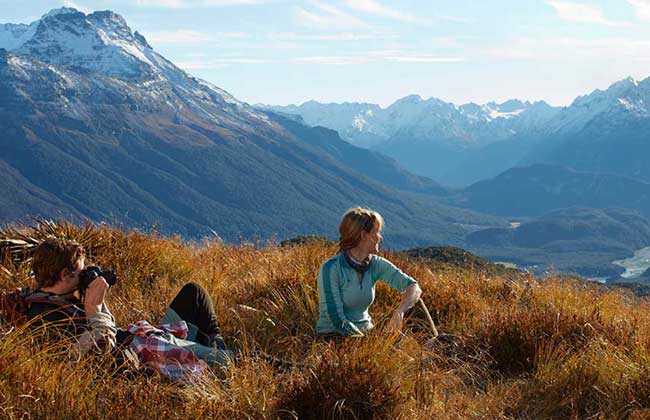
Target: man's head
<point>56,261</point>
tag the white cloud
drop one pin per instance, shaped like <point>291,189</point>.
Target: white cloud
<point>642,9</point>
<point>186,36</point>
<point>168,4</point>
<point>400,56</point>
<point>219,63</point>
<point>242,60</point>
<point>423,59</point>
<point>375,8</point>
<point>451,41</point>
<point>332,60</point>
<point>177,37</point>
<point>232,2</point>
<point>197,65</point>
<point>384,53</point>
<point>327,17</point>
<point>344,36</point>
<point>178,4</point>
<point>565,48</point>
<point>582,13</point>
<point>68,3</point>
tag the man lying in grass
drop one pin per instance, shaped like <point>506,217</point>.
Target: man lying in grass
<point>187,339</point>
<point>346,281</point>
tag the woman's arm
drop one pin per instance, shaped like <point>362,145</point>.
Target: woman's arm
<point>409,298</point>
<point>397,279</point>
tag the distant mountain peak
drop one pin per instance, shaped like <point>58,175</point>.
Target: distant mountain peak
<point>100,42</point>
<point>622,86</point>
<point>60,11</point>
<point>409,99</point>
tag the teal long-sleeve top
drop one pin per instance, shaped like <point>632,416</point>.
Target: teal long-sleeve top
<point>346,295</point>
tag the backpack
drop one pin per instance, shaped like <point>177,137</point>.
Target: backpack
<point>14,306</point>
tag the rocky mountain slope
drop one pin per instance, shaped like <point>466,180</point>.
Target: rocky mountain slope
<point>98,125</point>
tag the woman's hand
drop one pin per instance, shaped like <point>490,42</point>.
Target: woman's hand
<point>409,298</point>
<point>395,323</point>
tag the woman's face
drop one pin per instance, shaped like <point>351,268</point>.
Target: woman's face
<point>372,239</point>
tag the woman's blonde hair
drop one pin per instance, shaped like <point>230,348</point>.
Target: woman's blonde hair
<point>355,221</point>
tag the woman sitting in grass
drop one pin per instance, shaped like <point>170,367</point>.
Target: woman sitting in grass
<point>346,281</point>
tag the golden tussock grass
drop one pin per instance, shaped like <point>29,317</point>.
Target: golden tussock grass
<point>517,348</point>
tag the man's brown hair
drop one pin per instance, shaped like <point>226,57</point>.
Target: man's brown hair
<point>53,256</point>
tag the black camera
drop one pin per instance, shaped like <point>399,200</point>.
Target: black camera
<point>90,273</point>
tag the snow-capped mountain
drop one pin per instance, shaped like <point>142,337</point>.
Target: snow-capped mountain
<point>414,119</point>
<point>605,131</point>
<point>459,145</point>
<point>96,124</point>
<point>73,43</point>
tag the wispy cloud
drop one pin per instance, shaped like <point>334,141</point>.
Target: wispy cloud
<point>177,37</point>
<point>332,60</point>
<point>68,3</point>
<point>168,4</point>
<point>186,36</point>
<point>423,59</point>
<point>232,2</point>
<point>399,56</point>
<point>642,9</point>
<point>451,41</point>
<point>582,13</point>
<point>325,16</point>
<point>178,4</point>
<point>198,65</point>
<point>563,48</point>
<point>375,8</point>
<point>219,63</point>
<point>292,36</point>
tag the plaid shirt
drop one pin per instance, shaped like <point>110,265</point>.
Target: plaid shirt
<point>157,350</point>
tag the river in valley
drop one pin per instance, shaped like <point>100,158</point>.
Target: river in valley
<point>636,265</point>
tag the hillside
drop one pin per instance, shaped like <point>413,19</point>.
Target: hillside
<point>572,240</point>
<point>537,189</point>
<point>97,125</point>
<point>513,348</point>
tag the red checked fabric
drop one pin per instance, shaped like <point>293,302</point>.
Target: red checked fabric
<point>156,350</point>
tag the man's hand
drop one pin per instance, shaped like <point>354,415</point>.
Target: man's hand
<point>94,295</point>
<point>395,323</point>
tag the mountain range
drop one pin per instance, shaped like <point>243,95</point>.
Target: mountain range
<point>604,131</point>
<point>98,125</point>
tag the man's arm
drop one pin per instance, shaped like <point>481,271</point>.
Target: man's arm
<point>101,331</point>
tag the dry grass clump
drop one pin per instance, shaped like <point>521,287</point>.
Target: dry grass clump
<point>514,348</point>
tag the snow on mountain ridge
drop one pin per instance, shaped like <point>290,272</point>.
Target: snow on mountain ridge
<point>425,120</point>
<point>100,51</point>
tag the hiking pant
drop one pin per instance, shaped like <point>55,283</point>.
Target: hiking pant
<point>194,306</point>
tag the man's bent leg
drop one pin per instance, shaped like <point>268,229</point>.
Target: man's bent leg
<point>194,306</point>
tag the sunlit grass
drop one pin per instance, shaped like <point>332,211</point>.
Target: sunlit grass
<point>520,348</point>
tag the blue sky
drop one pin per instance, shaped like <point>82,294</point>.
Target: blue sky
<point>291,51</point>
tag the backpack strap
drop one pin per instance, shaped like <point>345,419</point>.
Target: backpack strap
<point>39,297</point>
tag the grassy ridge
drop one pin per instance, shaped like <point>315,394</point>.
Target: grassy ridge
<point>521,348</point>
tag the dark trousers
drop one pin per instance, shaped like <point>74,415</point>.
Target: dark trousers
<point>194,305</point>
